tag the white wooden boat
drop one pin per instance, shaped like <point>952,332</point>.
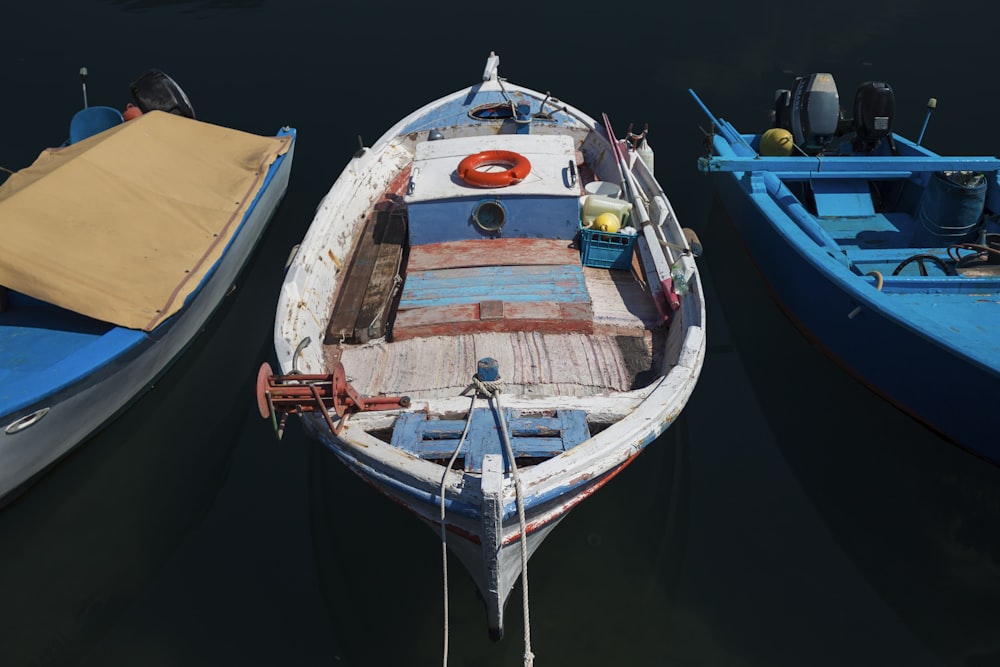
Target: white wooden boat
<point>117,248</point>
<point>458,331</point>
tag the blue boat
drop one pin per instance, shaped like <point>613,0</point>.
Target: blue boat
<point>118,246</point>
<point>494,311</point>
<point>884,253</point>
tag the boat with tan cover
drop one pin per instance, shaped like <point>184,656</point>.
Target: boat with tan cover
<point>117,249</point>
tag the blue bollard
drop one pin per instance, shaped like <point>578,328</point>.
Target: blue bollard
<point>488,370</point>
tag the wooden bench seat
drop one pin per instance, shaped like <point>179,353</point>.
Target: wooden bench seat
<point>363,305</point>
<point>493,285</point>
<point>491,252</point>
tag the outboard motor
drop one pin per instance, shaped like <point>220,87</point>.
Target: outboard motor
<point>874,110</point>
<point>154,90</point>
<point>815,111</point>
<point>782,114</point>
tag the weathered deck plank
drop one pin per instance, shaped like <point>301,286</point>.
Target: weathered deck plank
<point>491,252</point>
<point>362,309</point>
<point>511,283</point>
<point>620,301</point>
<point>493,285</point>
<point>493,316</point>
<point>605,344</point>
<point>529,362</point>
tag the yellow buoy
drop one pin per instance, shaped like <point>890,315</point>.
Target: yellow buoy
<point>607,222</point>
<point>776,142</point>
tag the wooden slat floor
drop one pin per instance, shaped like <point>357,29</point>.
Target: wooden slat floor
<point>562,364</point>
<point>530,362</point>
<point>622,304</point>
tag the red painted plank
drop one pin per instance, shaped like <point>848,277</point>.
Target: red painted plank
<point>491,252</point>
<point>543,317</point>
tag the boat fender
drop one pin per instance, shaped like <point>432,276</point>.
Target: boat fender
<point>693,242</point>
<point>517,169</point>
<point>776,142</point>
<point>645,152</point>
<point>131,112</point>
<point>607,222</point>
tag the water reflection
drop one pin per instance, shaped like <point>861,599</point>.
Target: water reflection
<point>90,535</point>
<point>187,7</point>
<point>789,518</point>
<point>916,514</point>
<point>79,546</point>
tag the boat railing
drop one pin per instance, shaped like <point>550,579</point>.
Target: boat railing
<point>870,167</point>
<point>742,157</point>
<point>798,213</point>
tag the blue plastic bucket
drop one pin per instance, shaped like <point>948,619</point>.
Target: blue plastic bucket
<point>950,208</point>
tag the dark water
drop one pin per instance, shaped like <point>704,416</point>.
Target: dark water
<point>790,517</point>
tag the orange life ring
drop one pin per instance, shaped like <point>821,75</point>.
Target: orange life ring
<point>518,168</point>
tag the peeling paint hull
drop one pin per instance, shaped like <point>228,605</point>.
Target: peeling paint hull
<point>591,370</point>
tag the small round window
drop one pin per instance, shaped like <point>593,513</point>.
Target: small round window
<point>490,215</point>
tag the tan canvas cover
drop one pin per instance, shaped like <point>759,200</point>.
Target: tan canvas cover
<point>124,225</point>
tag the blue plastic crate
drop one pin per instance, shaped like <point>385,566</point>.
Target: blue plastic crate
<point>605,250</point>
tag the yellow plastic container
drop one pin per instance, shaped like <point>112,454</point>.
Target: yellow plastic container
<point>594,205</point>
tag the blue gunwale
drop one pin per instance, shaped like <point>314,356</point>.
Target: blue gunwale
<point>56,348</point>
<point>816,264</point>
<point>881,167</point>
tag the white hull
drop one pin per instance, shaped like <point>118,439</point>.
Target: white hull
<point>546,371</point>
<point>81,409</point>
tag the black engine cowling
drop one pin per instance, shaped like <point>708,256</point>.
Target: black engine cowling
<point>874,110</point>
<point>154,90</point>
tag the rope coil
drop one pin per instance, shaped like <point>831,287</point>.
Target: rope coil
<point>487,388</point>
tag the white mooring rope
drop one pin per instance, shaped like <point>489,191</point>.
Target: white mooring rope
<point>491,389</point>
<point>444,532</point>
<point>529,657</point>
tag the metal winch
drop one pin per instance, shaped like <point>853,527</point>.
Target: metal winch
<point>297,392</point>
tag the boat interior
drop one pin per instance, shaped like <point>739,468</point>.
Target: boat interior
<point>446,274</point>
<point>896,235</point>
<point>914,220</point>
<point>55,347</point>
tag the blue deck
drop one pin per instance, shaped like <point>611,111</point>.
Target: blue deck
<point>456,113</point>
<point>882,229</point>
<point>47,348</point>
<point>531,437</point>
<point>448,287</point>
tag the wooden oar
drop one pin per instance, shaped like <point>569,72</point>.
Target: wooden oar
<point>660,263</point>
